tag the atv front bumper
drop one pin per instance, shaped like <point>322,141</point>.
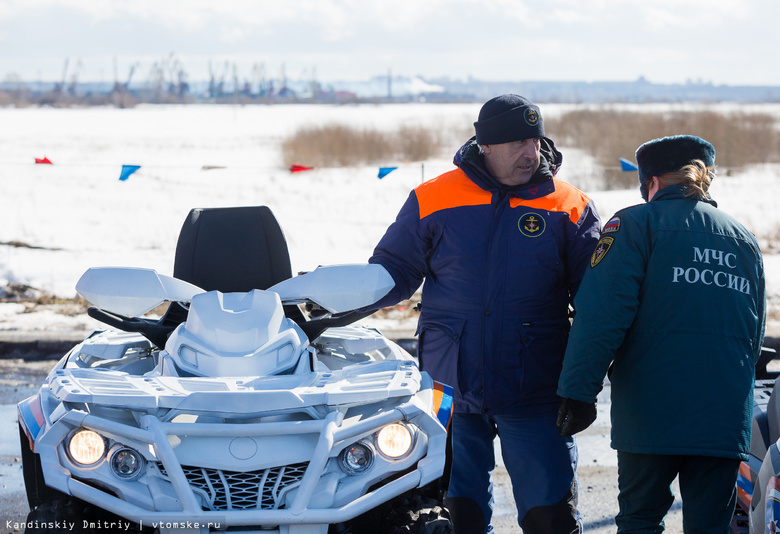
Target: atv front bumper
<point>215,494</point>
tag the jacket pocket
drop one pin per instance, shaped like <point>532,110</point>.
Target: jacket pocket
<point>438,350</point>
<point>542,361</point>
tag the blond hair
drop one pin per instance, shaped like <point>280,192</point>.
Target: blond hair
<point>696,177</point>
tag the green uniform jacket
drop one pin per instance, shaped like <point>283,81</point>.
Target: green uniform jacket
<point>674,299</point>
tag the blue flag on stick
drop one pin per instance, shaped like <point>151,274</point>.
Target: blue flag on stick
<point>384,171</point>
<point>127,170</point>
<point>627,166</point>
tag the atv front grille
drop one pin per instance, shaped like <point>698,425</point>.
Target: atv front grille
<point>233,490</point>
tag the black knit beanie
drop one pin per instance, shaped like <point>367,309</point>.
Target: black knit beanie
<point>508,118</point>
<point>667,154</point>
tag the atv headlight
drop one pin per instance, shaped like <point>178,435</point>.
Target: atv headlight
<point>394,440</point>
<point>86,447</point>
<point>356,458</point>
<point>126,463</point>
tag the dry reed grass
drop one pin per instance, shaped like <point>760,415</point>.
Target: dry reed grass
<point>337,145</point>
<point>740,139</point>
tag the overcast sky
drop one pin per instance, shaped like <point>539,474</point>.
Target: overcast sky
<point>734,42</point>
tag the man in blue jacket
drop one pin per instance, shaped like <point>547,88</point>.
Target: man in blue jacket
<point>501,244</point>
<point>674,301</point>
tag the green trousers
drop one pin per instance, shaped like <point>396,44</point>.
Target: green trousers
<point>707,487</point>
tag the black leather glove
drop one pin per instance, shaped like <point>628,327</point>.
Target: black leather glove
<point>575,416</point>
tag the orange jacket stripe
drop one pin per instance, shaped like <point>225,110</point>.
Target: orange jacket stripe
<point>453,189</point>
<point>565,198</point>
<point>450,190</point>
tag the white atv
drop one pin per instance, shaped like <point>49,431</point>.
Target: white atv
<point>250,406</point>
<point>758,481</point>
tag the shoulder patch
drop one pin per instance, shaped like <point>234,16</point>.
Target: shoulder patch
<point>602,247</point>
<point>612,226</point>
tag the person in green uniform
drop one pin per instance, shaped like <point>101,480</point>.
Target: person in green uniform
<point>672,309</point>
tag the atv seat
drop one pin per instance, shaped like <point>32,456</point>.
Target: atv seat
<point>232,249</point>
<point>236,250</point>
<point>766,357</point>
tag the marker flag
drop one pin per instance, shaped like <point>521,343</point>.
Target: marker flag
<point>443,404</point>
<point>127,170</point>
<point>30,416</point>
<point>300,168</point>
<point>627,166</point>
<point>45,160</point>
<point>744,484</point>
<point>384,171</point>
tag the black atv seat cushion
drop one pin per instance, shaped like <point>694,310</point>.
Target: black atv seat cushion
<point>232,249</point>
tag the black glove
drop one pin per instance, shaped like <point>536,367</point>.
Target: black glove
<point>575,416</point>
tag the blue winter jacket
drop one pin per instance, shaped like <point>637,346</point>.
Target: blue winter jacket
<point>501,266</point>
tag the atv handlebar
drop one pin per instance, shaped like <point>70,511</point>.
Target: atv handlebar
<point>158,331</point>
<point>154,331</point>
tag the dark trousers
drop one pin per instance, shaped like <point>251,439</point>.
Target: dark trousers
<point>707,487</point>
<point>541,464</point>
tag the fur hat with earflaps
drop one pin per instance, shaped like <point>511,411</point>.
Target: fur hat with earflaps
<point>667,154</point>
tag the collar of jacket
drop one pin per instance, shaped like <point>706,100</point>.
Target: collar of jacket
<point>678,191</point>
<point>472,162</point>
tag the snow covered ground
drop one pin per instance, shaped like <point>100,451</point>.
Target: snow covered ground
<point>76,213</point>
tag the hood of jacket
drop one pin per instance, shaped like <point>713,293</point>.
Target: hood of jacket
<point>681,191</point>
<point>471,160</point>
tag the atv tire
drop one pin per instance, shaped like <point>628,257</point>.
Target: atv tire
<point>52,511</point>
<point>419,516</point>
<point>411,513</point>
<point>58,516</point>
<point>37,490</point>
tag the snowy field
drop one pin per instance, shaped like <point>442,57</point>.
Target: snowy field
<point>76,213</point>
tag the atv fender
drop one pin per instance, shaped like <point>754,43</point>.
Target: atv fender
<point>765,503</point>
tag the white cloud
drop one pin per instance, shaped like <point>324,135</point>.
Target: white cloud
<point>496,39</point>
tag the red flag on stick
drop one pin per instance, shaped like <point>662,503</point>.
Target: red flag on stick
<point>299,168</point>
<point>44,160</point>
